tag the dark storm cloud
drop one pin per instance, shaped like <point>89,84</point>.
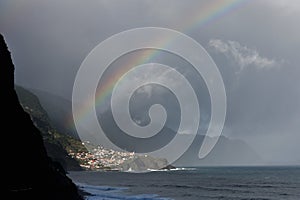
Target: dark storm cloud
<point>49,40</point>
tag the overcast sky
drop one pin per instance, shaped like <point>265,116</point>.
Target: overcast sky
<point>255,45</point>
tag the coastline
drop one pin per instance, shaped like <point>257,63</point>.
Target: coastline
<point>92,192</point>
<point>102,187</point>
<point>192,184</point>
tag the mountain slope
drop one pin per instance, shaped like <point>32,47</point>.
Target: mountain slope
<point>59,111</point>
<point>56,143</point>
<point>227,152</point>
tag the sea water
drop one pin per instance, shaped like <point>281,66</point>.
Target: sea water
<point>229,183</point>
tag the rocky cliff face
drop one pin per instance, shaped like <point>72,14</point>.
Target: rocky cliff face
<point>29,172</point>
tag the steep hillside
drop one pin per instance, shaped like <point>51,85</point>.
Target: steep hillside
<point>59,111</point>
<point>56,143</point>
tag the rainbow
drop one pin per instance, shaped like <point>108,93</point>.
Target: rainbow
<point>200,16</point>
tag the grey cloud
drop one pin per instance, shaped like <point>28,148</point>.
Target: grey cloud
<point>50,39</point>
<point>242,55</point>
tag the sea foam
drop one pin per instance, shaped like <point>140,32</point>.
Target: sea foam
<point>113,193</point>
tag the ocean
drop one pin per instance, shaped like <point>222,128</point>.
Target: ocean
<point>226,183</point>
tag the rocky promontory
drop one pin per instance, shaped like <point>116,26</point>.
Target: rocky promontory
<point>145,163</point>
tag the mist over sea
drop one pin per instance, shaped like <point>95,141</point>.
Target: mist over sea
<point>268,183</point>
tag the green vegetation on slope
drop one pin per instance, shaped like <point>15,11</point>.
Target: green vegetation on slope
<point>57,144</point>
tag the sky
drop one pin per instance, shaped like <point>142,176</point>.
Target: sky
<point>255,45</point>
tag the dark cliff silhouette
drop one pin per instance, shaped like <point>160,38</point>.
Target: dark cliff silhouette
<point>28,171</point>
<point>56,143</point>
